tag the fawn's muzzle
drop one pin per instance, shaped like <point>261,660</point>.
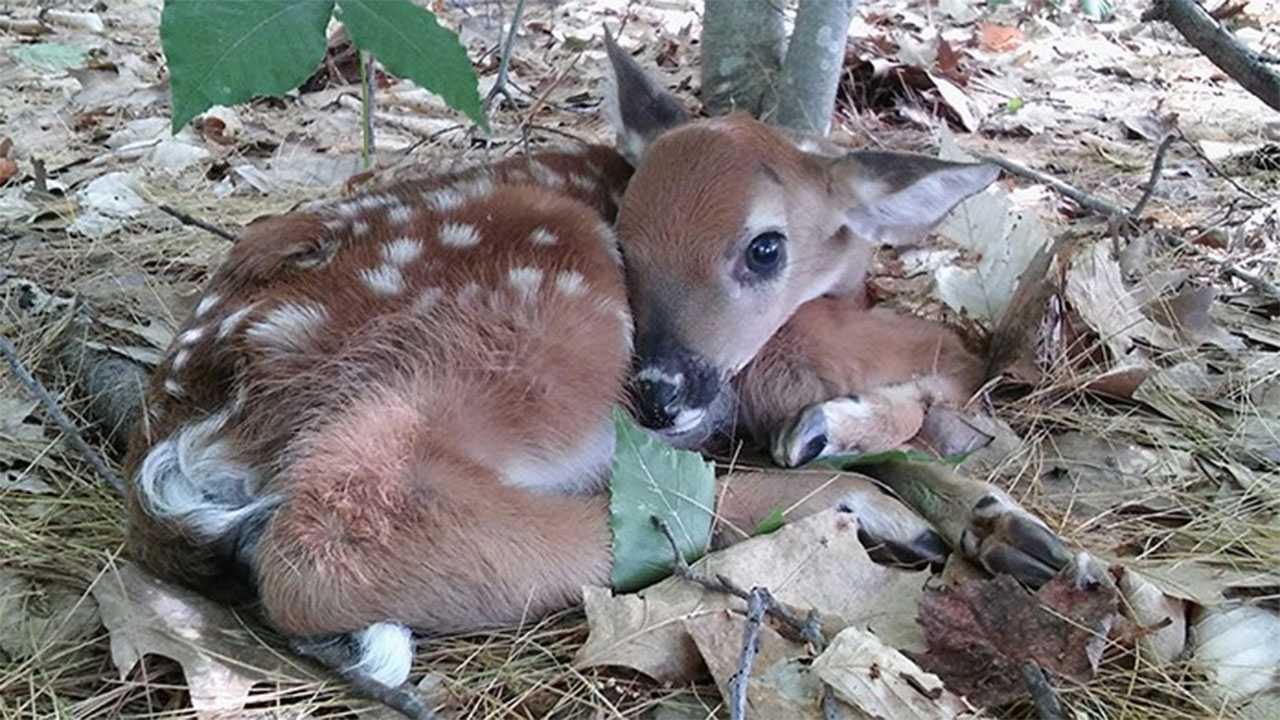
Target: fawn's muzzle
<point>672,391</point>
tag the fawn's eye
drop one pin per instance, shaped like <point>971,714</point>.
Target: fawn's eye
<point>766,253</point>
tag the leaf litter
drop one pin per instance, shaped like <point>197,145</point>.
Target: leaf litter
<point>1139,419</point>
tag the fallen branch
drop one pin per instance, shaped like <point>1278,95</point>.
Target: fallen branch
<point>51,406</point>
<point>1208,36</point>
<point>186,219</point>
<point>1156,167</point>
<point>1082,198</point>
<point>807,630</point>
<point>750,647</point>
<point>504,61</point>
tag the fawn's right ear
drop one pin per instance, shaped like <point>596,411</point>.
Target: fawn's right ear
<point>637,106</point>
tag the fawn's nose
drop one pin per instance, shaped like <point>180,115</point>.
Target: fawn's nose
<point>658,397</point>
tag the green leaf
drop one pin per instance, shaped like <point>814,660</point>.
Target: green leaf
<point>771,522</point>
<point>651,478</point>
<point>224,52</point>
<point>409,42</point>
<point>50,57</point>
<point>1015,104</point>
<point>852,462</point>
<point>1097,9</point>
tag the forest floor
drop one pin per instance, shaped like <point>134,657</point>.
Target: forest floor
<point>1138,414</point>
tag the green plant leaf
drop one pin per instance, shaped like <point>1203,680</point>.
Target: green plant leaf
<point>409,42</point>
<point>852,462</point>
<point>225,52</point>
<point>1015,104</point>
<point>770,523</point>
<point>51,57</point>
<point>651,478</point>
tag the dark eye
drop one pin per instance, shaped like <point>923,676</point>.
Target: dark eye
<point>765,253</point>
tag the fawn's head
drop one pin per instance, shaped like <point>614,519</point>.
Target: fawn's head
<point>729,225</point>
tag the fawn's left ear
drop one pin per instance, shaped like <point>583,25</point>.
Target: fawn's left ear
<point>895,198</point>
<point>637,106</point>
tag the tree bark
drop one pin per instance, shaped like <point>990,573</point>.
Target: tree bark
<point>813,66</point>
<point>742,42</point>
<point>1209,37</point>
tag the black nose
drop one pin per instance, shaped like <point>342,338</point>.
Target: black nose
<point>657,402</point>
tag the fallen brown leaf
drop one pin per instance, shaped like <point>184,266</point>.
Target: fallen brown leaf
<point>980,632</point>
<point>220,658</point>
<point>998,38</point>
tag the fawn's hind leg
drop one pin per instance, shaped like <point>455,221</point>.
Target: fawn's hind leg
<point>838,378</point>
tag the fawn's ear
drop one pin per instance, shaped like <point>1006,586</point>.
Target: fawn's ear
<point>637,106</point>
<point>894,198</point>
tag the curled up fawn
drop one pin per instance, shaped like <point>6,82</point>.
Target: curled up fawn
<point>393,412</point>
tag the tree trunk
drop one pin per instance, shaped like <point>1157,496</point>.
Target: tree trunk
<point>742,43</point>
<point>814,64</point>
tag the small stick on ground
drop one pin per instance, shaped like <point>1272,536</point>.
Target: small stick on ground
<point>1043,695</point>
<point>1156,167</point>
<point>1082,198</point>
<point>808,629</point>
<point>504,61</point>
<point>69,431</point>
<point>186,219</point>
<point>756,604</point>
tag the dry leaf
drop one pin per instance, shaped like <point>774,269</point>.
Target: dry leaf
<point>958,101</point>
<point>782,685</point>
<point>1187,314</point>
<point>816,562</point>
<point>1004,238</point>
<point>1162,619</point>
<point>980,632</point>
<point>42,617</point>
<point>220,659</point>
<point>1092,474</point>
<point>883,683</point>
<point>1238,649</point>
<point>1096,290</point>
<point>998,38</point>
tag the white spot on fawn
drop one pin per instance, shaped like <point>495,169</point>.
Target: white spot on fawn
<point>427,299</point>
<point>459,235</point>
<point>291,327</point>
<point>384,280</point>
<point>402,251</point>
<point>542,236</point>
<point>544,175</point>
<point>333,225</point>
<point>525,280</point>
<point>180,358</point>
<point>373,202</point>
<point>476,188</point>
<point>359,228</point>
<point>469,293</point>
<point>443,200</point>
<point>232,321</point>
<point>610,242</point>
<point>205,305</point>
<point>585,183</point>
<point>400,214</point>
<point>571,283</point>
<point>174,388</point>
<point>191,337</point>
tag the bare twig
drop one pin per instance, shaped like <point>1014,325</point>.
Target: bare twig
<point>756,604</point>
<point>51,406</point>
<point>1258,283</point>
<point>1208,36</point>
<point>367,71</point>
<point>1042,693</point>
<point>186,219</point>
<point>504,61</point>
<point>1082,198</point>
<point>1156,167</point>
<point>1213,166</point>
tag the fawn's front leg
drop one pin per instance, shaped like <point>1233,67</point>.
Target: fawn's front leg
<point>842,379</point>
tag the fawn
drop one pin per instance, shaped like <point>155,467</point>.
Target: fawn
<point>393,411</point>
